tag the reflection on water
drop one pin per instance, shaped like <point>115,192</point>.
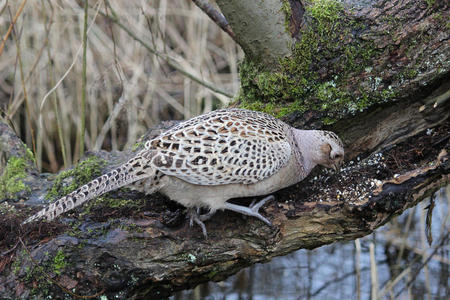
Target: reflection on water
<point>401,255</point>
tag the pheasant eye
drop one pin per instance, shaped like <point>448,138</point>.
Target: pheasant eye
<point>336,156</point>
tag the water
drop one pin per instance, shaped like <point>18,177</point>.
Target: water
<point>329,272</point>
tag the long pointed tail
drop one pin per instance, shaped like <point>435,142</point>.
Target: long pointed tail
<point>133,170</point>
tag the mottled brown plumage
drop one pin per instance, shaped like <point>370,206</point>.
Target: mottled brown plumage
<point>209,159</point>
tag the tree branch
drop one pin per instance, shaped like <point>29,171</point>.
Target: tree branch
<point>157,253</point>
<point>216,16</point>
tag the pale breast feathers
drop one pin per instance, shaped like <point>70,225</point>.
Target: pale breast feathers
<point>222,147</point>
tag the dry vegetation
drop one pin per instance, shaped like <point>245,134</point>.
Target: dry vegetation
<point>128,90</point>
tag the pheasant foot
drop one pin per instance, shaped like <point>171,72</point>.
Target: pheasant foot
<point>195,217</point>
<point>252,210</point>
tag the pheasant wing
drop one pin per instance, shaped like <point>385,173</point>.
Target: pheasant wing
<point>223,147</point>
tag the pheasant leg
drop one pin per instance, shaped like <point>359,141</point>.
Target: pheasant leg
<point>194,217</point>
<point>252,210</point>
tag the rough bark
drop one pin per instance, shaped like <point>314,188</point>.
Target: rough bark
<point>142,245</point>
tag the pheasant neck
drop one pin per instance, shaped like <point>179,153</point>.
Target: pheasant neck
<point>309,145</point>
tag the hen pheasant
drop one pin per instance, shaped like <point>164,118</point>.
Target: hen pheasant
<point>209,159</point>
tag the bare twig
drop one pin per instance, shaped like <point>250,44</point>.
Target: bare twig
<point>107,125</point>
<point>12,109</point>
<point>83,81</point>
<point>59,126</point>
<point>25,95</point>
<point>404,244</point>
<point>116,61</point>
<point>327,284</point>
<point>373,272</point>
<point>358,268</point>
<point>429,219</point>
<point>65,74</point>
<point>424,246</point>
<point>391,283</point>
<point>425,261</point>
<point>216,16</point>
<point>170,61</point>
<point>11,26</point>
<point>404,235</point>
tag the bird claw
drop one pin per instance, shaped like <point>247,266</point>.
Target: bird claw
<point>256,206</point>
<point>195,217</point>
<point>205,217</point>
<point>252,210</point>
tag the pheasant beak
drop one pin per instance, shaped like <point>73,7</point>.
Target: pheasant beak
<point>337,166</point>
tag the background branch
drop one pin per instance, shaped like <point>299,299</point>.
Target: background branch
<point>216,16</point>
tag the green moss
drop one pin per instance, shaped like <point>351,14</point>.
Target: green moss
<point>84,172</point>
<point>136,146</point>
<point>410,73</point>
<point>110,203</point>
<point>131,228</point>
<point>430,2</point>
<point>388,93</point>
<point>29,153</point>
<point>212,274</point>
<point>286,8</point>
<point>290,108</point>
<point>299,86</point>
<point>17,264</point>
<point>75,231</point>
<point>59,262</point>
<point>325,12</point>
<point>36,274</point>
<point>7,209</point>
<point>11,181</point>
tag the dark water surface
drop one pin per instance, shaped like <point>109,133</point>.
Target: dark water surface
<point>330,272</point>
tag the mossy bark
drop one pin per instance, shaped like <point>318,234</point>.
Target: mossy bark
<point>347,56</point>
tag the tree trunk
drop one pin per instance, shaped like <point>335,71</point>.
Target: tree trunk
<point>374,72</point>
<point>259,28</point>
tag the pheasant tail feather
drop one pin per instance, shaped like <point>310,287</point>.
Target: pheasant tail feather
<point>135,169</point>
